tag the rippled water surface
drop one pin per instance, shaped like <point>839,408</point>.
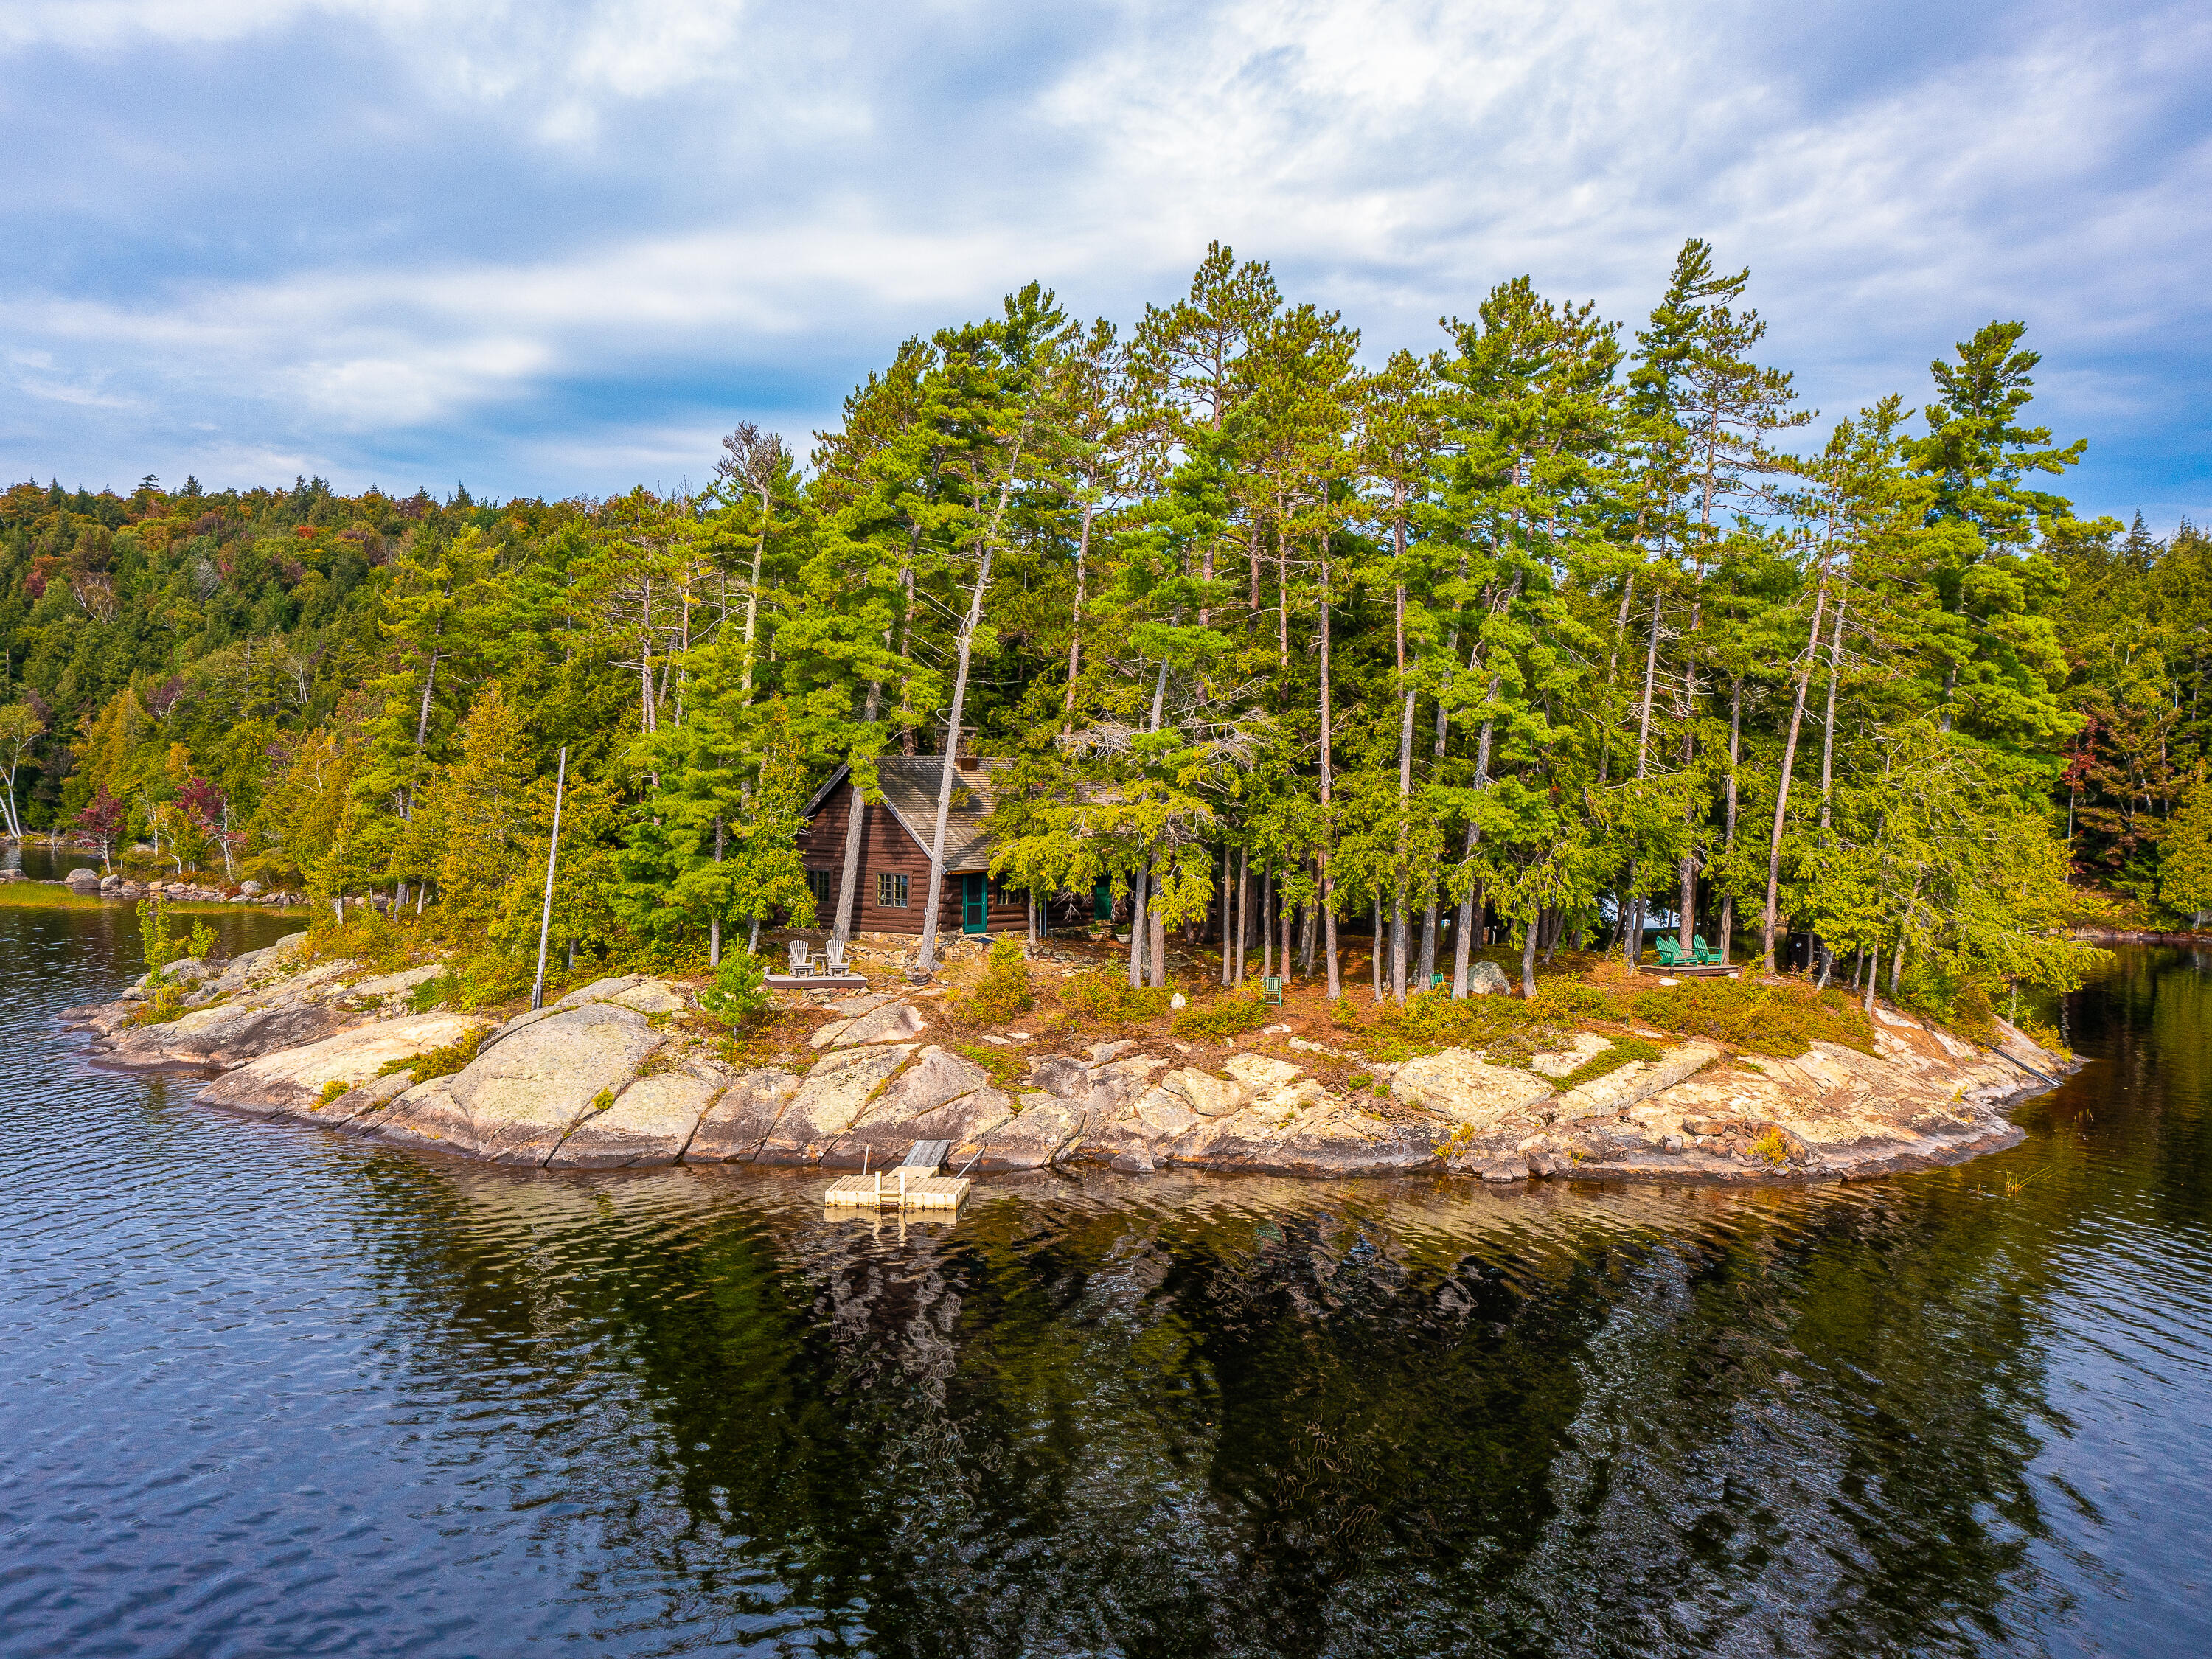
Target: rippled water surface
<point>263,1390</point>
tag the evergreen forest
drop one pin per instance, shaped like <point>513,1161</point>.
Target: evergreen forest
<point>1560,626</point>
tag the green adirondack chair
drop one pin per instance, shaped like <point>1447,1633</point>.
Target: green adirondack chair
<point>1703,952</point>
<point>1670,953</point>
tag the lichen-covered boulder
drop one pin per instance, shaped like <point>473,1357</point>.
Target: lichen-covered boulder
<point>1041,1133</point>
<point>1459,1084</point>
<point>650,996</point>
<point>1204,1094</point>
<point>227,1037</point>
<point>1585,1047</point>
<point>651,1122</point>
<point>1280,1090</point>
<point>1487,979</point>
<point>1618,1090</point>
<point>292,1081</point>
<point>830,1101</point>
<point>737,1123</point>
<point>515,1103</point>
<point>893,1022</point>
<point>941,1096</point>
<point>356,1110</point>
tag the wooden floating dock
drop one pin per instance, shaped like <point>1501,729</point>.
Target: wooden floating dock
<point>899,1189</point>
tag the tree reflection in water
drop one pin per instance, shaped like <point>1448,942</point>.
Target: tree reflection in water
<point>1194,1414</point>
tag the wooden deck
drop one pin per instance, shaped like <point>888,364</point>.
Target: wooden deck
<point>898,1188</point>
<point>815,982</point>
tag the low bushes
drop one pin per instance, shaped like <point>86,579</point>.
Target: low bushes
<point>1783,1019</point>
<point>1003,991</point>
<point>1507,1031</point>
<point>1623,1051</point>
<point>1971,1015</point>
<point>1106,999</point>
<point>740,995</point>
<point>1005,1066</point>
<point>1562,1000</point>
<point>166,1004</point>
<point>1220,1016</point>
<point>438,1062</point>
<point>434,993</point>
<point>163,947</point>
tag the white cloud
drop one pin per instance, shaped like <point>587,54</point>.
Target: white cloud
<point>765,190</point>
<point>555,65</point>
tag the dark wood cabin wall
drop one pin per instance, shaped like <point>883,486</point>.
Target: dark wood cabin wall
<point>885,849</point>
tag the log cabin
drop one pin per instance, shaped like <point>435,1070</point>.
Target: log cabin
<point>892,881</point>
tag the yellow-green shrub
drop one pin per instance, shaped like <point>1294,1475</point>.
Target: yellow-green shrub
<point>1109,1000</point>
<point>1784,1019</point>
<point>1004,989</point>
<point>438,1062</point>
<point>1221,1016</point>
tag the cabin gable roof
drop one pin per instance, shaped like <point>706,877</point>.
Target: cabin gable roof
<point>909,784</point>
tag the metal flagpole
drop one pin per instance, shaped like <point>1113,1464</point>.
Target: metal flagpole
<point>552,853</point>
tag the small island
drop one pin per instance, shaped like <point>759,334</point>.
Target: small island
<point>1212,743</point>
<point>1030,1057</point>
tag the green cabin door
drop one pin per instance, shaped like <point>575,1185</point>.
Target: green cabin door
<point>975,905</point>
<point>1102,901</point>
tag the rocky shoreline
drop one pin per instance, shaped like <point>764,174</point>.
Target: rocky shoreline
<point>2142,936</point>
<point>626,1073</point>
<point>87,883</point>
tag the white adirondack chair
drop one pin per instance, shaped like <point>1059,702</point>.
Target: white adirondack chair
<point>798,957</point>
<point>834,951</point>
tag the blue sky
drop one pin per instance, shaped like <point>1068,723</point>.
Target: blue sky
<point>560,246</point>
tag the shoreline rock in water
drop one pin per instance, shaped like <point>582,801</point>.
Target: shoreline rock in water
<point>625,1073</point>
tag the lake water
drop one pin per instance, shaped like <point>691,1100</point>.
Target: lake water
<point>264,1390</point>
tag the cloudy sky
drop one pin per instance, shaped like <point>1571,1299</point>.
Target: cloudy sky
<point>559,245</point>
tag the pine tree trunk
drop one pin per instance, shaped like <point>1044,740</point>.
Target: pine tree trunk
<point>1735,760</point>
<point>1634,941</point>
<point>968,624</point>
<point>1226,910</point>
<point>1650,675</point>
<point>1789,761</point>
<point>715,921</point>
<point>752,598</point>
<point>1686,914</point>
<point>1267,924</point>
<point>1158,939</point>
<point>1075,620</point>
<point>1398,950</point>
<point>1244,907</point>
<point>1612,669</point>
<point>1828,727</point>
<point>855,819</point>
<point>1325,886</point>
<point>1137,922</point>
<point>423,720</point>
<point>1463,948</point>
<point>1429,921</point>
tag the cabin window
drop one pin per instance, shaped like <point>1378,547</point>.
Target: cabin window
<point>819,884</point>
<point>890,892</point>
